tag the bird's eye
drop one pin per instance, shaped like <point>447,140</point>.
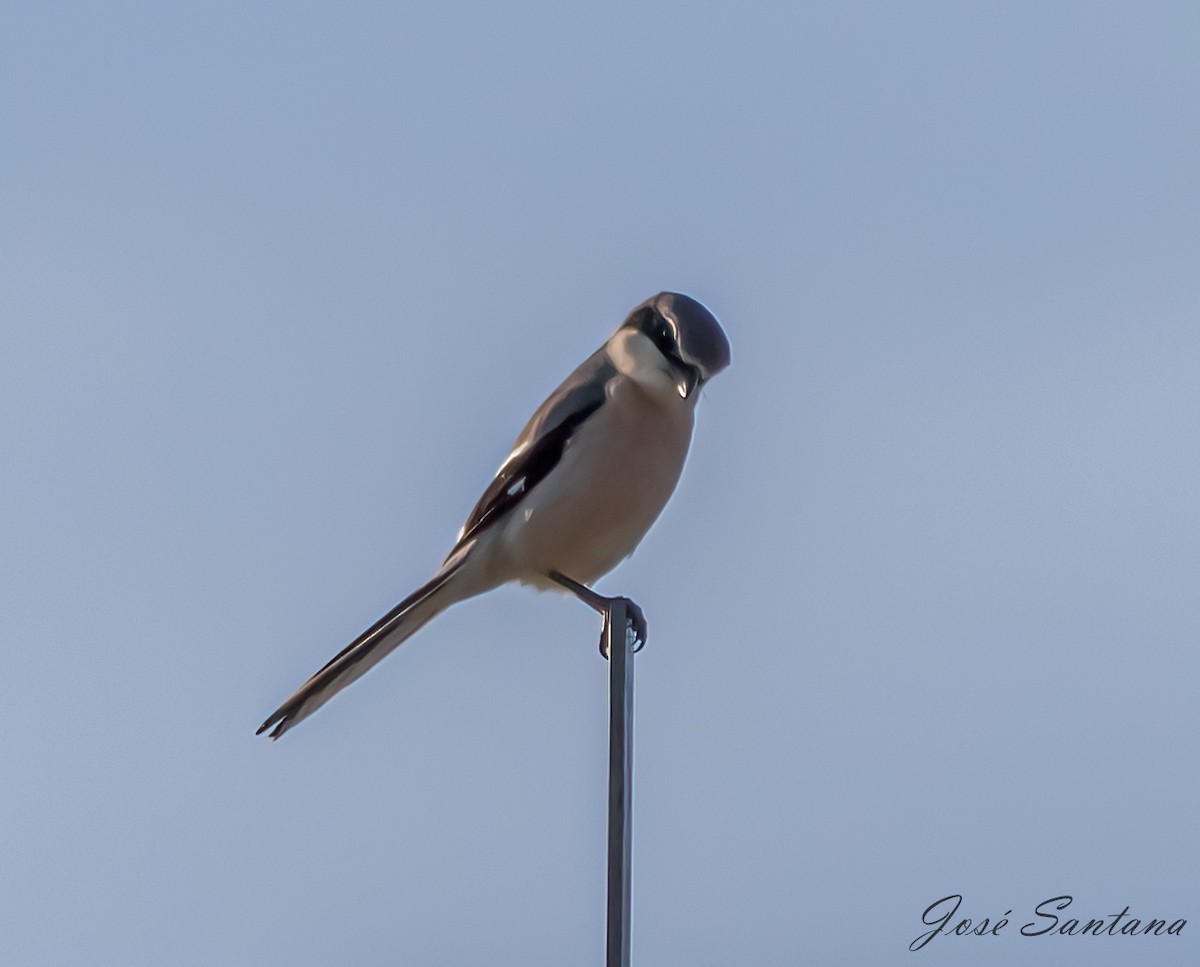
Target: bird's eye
<point>661,336</point>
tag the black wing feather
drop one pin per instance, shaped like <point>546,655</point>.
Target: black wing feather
<point>548,435</point>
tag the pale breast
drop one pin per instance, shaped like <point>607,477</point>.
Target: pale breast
<point>614,479</point>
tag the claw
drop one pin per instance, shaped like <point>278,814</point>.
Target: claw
<point>636,626</point>
<point>636,630</point>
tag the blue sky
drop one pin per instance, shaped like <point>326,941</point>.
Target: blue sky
<point>279,284</point>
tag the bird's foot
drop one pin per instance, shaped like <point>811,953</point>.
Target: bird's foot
<point>635,626</point>
<point>635,621</point>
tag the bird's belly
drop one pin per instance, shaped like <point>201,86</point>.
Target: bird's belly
<point>590,513</point>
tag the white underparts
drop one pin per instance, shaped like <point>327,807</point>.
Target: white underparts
<point>637,357</point>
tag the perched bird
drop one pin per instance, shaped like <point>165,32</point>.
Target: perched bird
<point>586,478</point>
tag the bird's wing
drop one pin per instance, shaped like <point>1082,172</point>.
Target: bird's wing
<point>541,444</point>
<point>535,453</point>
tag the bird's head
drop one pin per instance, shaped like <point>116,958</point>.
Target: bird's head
<point>674,334</point>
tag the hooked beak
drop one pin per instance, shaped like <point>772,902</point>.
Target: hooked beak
<point>687,383</point>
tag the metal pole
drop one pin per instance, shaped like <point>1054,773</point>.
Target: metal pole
<point>620,784</point>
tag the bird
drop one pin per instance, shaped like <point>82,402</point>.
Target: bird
<point>585,480</point>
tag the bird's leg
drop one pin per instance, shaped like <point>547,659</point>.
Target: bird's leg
<point>635,621</point>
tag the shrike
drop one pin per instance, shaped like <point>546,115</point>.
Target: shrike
<point>586,478</point>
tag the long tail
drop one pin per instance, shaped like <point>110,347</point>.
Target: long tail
<point>368,649</point>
